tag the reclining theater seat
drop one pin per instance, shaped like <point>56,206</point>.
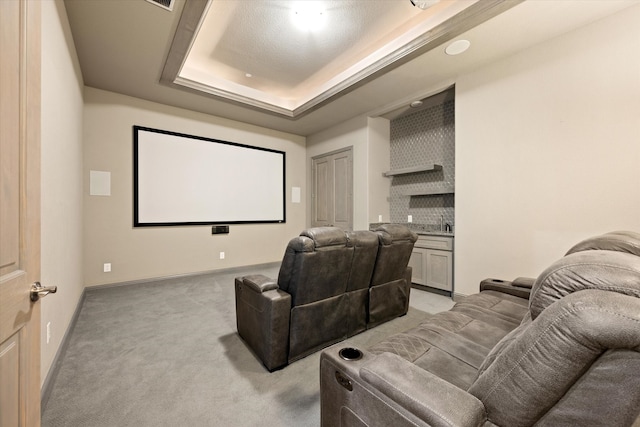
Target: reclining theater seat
<point>365,252</point>
<point>574,360</point>
<point>391,281</point>
<point>621,241</point>
<point>318,300</point>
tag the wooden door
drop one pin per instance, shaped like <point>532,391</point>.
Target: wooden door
<point>332,190</point>
<point>19,212</point>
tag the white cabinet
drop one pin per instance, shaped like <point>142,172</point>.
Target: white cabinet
<point>439,269</point>
<point>432,262</point>
<point>418,264</point>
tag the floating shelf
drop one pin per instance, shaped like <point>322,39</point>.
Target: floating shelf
<point>416,169</point>
<point>418,193</point>
<point>431,192</point>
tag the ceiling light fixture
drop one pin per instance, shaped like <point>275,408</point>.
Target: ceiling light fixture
<point>457,47</point>
<point>424,4</point>
<point>416,104</point>
<point>308,15</point>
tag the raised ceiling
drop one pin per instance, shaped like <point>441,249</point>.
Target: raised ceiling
<point>288,56</point>
<point>372,57</point>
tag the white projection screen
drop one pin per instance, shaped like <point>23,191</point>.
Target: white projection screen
<point>181,179</point>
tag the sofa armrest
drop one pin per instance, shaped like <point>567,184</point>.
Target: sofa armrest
<point>262,319</point>
<point>425,395</point>
<point>520,287</point>
<point>523,282</point>
<point>259,283</point>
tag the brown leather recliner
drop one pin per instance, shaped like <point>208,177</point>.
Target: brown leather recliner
<point>573,359</point>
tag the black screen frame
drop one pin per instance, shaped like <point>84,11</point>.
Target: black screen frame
<point>137,222</point>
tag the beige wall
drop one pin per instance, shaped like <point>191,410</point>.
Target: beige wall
<point>370,141</point>
<point>547,151</point>
<point>141,253</point>
<point>61,178</point>
<point>378,161</point>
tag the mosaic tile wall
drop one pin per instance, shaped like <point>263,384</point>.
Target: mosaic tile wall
<point>424,137</point>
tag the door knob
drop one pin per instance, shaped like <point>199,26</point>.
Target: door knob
<point>37,291</point>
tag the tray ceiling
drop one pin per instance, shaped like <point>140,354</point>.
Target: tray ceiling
<point>370,57</point>
<point>288,56</point>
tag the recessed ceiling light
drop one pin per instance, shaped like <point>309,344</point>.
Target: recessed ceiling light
<point>457,47</point>
<point>308,15</point>
<point>249,75</point>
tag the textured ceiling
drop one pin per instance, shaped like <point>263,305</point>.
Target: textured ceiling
<point>292,62</point>
<point>266,55</point>
<point>125,47</point>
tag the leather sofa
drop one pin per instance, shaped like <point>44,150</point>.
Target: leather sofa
<point>331,285</point>
<point>569,355</point>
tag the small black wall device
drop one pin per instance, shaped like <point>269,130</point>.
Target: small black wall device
<point>220,229</point>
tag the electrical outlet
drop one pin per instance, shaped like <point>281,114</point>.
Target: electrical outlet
<point>48,332</point>
<point>379,218</point>
<point>106,267</point>
<point>410,218</point>
<point>221,255</point>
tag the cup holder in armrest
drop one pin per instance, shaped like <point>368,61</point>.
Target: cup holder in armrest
<point>349,353</point>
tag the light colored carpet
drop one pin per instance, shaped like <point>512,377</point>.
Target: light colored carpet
<point>166,353</point>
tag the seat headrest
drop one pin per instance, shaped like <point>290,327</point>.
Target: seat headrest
<point>595,269</point>
<point>326,236</point>
<point>361,238</point>
<point>390,233</point>
<point>622,241</point>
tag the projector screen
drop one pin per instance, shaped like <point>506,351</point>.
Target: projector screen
<point>182,179</point>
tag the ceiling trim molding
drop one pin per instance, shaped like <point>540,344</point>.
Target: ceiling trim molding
<point>232,96</point>
<point>187,28</point>
<point>194,12</point>
<point>469,18</point>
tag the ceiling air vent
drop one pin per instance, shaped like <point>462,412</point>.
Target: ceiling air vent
<point>165,4</point>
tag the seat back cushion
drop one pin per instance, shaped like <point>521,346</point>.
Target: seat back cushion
<point>595,269</point>
<point>621,241</point>
<point>581,349</point>
<point>316,265</point>
<point>394,251</point>
<point>365,250</point>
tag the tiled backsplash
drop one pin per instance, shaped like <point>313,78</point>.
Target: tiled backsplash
<point>424,137</point>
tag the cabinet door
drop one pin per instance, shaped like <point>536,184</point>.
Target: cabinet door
<point>439,269</point>
<point>418,263</point>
